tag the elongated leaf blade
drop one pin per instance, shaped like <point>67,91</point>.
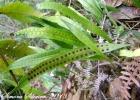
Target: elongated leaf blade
<point>93,7</point>
<point>46,22</point>
<point>83,36</point>
<point>20,11</point>
<point>14,49</point>
<point>137,3</point>
<point>64,58</point>
<point>51,33</point>
<point>129,53</point>
<point>27,88</point>
<point>136,34</point>
<point>75,15</point>
<point>35,59</point>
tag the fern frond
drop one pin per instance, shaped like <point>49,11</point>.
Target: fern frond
<point>86,71</point>
<point>78,65</point>
<point>130,76</point>
<point>37,58</point>
<point>20,11</point>
<point>51,33</point>
<point>57,44</point>
<point>132,72</point>
<point>34,59</point>
<point>114,89</point>
<point>68,11</point>
<point>66,57</point>
<point>45,22</point>
<point>93,7</point>
<point>82,35</point>
<point>101,78</point>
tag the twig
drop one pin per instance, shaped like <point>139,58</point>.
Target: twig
<point>4,25</point>
<point>69,2</point>
<point>103,95</point>
<point>2,89</point>
<point>12,74</point>
<point>135,25</point>
<point>50,89</point>
<point>122,24</point>
<point>98,68</point>
<point>107,63</point>
<point>103,23</point>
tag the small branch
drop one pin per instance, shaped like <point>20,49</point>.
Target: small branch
<point>106,63</point>
<point>3,89</point>
<point>122,24</point>
<point>135,25</point>
<point>4,25</point>
<point>69,3</point>
<point>50,89</point>
<point>12,74</point>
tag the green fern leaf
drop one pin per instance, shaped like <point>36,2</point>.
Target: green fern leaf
<point>27,88</point>
<point>35,59</point>
<point>3,65</point>
<point>64,58</point>
<point>56,19</point>
<point>75,15</point>
<point>45,22</point>
<point>20,11</point>
<point>51,33</point>
<point>83,36</point>
<point>57,44</point>
<point>14,49</point>
<point>93,7</point>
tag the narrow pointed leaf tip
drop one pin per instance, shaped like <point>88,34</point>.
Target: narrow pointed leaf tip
<point>129,53</point>
<point>64,58</point>
<point>20,11</point>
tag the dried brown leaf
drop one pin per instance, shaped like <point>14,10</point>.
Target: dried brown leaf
<point>124,95</point>
<point>125,85</point>
<point>66,87</point>
<point>136,12</point>
<point>126,13</point>
<point>125,73</point>
<point>124,78</point>
<point>135,81</point>
<point>114,88</point>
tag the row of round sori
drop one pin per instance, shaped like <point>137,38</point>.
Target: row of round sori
<point>63,59</point>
